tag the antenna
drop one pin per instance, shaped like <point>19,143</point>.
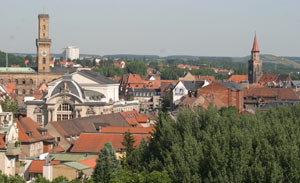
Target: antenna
<point>6,62</point>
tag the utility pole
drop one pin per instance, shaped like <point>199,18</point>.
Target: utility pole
<point>6,62</point>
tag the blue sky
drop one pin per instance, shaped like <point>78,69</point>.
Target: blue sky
<point>161,27</point>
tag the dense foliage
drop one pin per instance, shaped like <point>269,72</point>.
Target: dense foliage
<point>12,60</point>
<point>8,105</point>
<point>136,67</point>
<point>225,146</point>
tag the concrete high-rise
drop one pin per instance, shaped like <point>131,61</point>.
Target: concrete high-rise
<point>71,53</point>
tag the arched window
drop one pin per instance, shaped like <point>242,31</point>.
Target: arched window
<point>23,81</point>
<point>9,80</point>
<point>16,81</point>
<point>16,91</point>
<point>23,91</point>
<point>31,91</point>
<point>31,81</point>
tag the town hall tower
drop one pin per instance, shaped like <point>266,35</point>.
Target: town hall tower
<point>43,44</point>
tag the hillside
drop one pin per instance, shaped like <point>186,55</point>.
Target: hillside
<point>272,59</point>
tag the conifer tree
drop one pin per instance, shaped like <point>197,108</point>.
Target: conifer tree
<point>107,164</point>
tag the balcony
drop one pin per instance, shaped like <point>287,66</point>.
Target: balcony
<point>13,149</point>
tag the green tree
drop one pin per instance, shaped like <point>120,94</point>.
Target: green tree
<point>136,67</point>
<point>60,179</point>
<point>40,179</point>
<point>8,105</point>
<point>128,143</point>
<point>107,164</point>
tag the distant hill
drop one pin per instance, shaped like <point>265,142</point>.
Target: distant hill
<point>272,59</point>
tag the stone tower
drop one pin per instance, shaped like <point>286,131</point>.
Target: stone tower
<point>43,44</point>
<point>255,64</point>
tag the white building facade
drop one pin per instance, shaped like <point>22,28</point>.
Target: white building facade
<point>71,53</point>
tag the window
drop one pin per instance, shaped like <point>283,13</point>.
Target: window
<point>44,27</point>
<point>31,91</point>
<point>9,80</point>
<point>16,91</point>
<point>1,81</point>
<point>65,117</point>
<point>44,60</point>
<point>16,81</point>
<point>23,81</point>
<point>58,139</point>
<point>44,34</point>
<point>31,81</point>
<point>43,68</point>
<point>23,91</point>
<point>58,117</point>
<point>39,118</point>
<point>65,107</point>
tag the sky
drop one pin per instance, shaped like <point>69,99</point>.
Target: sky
<point>155,27</point>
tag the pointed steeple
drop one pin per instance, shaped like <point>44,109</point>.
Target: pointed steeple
<point>255,46</point>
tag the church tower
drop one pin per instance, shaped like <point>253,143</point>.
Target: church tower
<point>43,44</point>
<point>255,64</point>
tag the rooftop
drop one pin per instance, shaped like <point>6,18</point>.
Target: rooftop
<point>17,69</point>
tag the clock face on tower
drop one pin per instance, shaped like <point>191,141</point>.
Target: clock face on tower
<point>44,53</point>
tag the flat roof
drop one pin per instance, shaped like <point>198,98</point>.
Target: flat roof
<point>17,69</point>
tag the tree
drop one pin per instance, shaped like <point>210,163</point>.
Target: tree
<point>60,179</point>
<point>8,105</point>
<point>136,67</point>
<point>107,164</point>
<point>128,143</point>
<point>40,179</point>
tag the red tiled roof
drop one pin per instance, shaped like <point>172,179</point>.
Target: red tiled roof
<point>91,162</point>
<point>238,78</point>
<point>278,93</point>
<point>267,78</point>
<point>2,141</point>
<point>58,149</point>
<point>36,166</point>
<point>134,117</point>
<point>11,86</point>
<point>27,125</point>
<point>255,45</point>
<point>117,129</point>
<point>93,142</point>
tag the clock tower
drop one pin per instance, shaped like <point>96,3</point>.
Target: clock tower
<point>43,44</point>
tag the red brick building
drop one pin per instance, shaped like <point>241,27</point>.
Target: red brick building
<point>221,94</point>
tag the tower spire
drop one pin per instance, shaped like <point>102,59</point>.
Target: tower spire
<point>255,46</point>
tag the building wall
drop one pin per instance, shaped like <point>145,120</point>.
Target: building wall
<point>8,164</point>
<point>223,96</point>
<point>178,92</point>
<point>32,149</point>
<point>32,81</point>
<point>64,170</point>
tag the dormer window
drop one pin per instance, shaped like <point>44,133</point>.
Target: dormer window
<point>29,134</point>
